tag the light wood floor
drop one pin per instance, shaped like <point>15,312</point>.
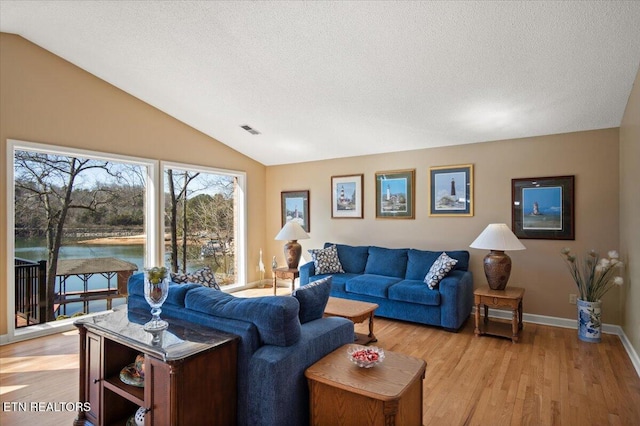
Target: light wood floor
<point>548,378</point>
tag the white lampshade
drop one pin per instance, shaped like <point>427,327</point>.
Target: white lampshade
<point>292,231</point>
<point>497,236</point>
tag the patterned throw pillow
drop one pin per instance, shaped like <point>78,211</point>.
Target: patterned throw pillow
<point>439,270</point>
<point>203,276</point>
<point>326,260</point>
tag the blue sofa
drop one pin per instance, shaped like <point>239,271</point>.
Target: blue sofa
<point>394,279</point>
<point>280,337</point>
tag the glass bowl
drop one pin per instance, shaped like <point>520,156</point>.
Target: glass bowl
<point>365,356</point>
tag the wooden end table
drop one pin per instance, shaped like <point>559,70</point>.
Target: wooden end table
<point>190,371</point>
<point>355,311</point>
<point>389,393</point>
<point>285,274</point>
<point>509,298</point>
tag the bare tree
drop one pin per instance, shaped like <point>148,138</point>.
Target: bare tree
<point>50,180</point>
<point>178,194</point>
<point>216,216</point>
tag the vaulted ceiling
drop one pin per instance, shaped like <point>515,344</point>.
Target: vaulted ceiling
<point>323,79</point>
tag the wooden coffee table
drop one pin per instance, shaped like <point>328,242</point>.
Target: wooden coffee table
<point>355,311</point>
<point>389,393</point>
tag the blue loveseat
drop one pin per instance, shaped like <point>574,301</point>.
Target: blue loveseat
<point>394,279</point>
<point>280,337</point>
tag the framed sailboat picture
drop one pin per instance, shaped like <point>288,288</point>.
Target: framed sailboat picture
<point>347,196</point>
<point>542,208</point>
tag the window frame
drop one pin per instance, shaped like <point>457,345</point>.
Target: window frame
<point>154,222</point>
<point>241,202</point>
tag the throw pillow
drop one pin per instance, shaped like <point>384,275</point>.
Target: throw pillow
<point>326,260</point>
<point>203,276</point>
<point>313,299</point>
<point>439,270</point>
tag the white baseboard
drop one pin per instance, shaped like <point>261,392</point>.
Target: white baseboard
<point>569,323</point>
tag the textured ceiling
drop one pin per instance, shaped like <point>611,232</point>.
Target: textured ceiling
<point>336,79</point>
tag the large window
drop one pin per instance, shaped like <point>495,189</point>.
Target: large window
<point>202,228</point>
<point>84,221</point>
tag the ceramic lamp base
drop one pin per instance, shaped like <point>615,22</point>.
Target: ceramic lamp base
<point>292,253</point>
<point>497,269</point>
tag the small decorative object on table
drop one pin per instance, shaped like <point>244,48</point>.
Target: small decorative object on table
<point>156,289</point>
<point>139,365</point>
<point>139,417</point>
<point>261,269</point>
<point>364,356</point>
<point>594,276</point>
<point>130,376</point>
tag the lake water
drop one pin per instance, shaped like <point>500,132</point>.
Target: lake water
<point>35,249</point>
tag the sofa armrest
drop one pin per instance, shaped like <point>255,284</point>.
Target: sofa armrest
<point>456,299</point>
<point>278,393</point>
<point>306,272</point>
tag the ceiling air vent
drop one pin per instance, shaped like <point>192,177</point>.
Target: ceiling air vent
<point>250,129</point>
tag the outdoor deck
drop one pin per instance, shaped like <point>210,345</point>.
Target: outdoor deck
<point>31,300</point>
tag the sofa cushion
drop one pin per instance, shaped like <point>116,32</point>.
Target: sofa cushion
<point>326,260</point>
<point>462,256</point>
<point>177,292</point>
<point>386,262</point>
<point>414,291</point>
<point>275,317</point>
<point>203,276</point>
<point>313,299</point>
<point>371,285</point>
<point>352,258</point>
<point>338,281</point>
<point>419,262</point>
<point>439,270</point>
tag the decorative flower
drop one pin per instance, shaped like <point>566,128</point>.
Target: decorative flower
<point>156,274</point>
<point>594,276</point>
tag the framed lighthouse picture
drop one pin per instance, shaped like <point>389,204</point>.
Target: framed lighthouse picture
<point>451,190</point>
<point>395,194</point>
<point>347,196</point>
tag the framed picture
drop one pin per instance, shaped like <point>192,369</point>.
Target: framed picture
<point>347,196</point>
<point>395,194</point>
<point>295,206</point>
<point>542,208</point>
<point>451,190</point>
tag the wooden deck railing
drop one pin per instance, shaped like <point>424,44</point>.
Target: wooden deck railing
<point>30,292</point>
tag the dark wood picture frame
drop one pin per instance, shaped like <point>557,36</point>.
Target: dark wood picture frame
<point>295,206</point>
<point>347,196</point>
<point>395,194</point>
<point>543,207</point>
<point>451,190</point>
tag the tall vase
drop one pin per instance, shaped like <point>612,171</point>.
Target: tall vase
<point>155,292</point>
<point>589,323</point>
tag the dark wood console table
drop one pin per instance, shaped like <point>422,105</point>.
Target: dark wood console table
<point>190,372</point>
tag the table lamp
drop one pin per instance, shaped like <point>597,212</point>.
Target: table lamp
<point>292,231</point>
<point>497,237</point>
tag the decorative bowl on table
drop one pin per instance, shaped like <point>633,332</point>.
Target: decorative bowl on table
<point>365,356</point>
